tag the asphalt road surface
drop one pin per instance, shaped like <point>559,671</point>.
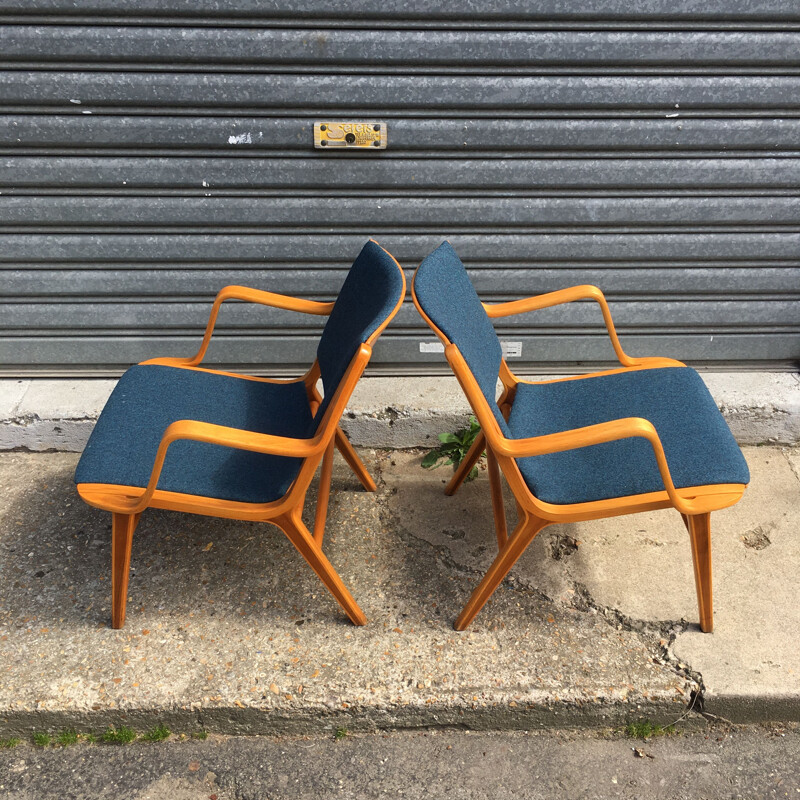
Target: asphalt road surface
<point>716,762</point>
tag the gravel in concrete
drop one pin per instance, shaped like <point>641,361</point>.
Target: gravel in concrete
<point>639,566</point>
<point>228,629</point>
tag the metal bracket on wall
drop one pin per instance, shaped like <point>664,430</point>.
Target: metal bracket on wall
<point>350,134</point>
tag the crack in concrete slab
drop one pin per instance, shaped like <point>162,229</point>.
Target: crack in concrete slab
<point>654,637</point>
<point>531,662</point>
<point>660,636</point>
<point>794,464</point>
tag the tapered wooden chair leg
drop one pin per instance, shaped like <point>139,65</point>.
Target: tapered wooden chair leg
<point>356,464</point>
<point>467,463</point>
<point>301,538</point>
<point>122,528</point>
<point>323,494</point>
<point>523,535</point>
<point>498,508</point>
<point>699,526</point>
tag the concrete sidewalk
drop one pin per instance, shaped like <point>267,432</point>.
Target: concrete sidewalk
<point>230,631</point>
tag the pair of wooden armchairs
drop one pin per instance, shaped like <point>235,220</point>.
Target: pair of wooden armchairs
<point>176,435</point>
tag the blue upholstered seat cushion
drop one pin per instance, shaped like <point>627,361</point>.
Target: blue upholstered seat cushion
<point>123,445</point>
<point>698,445</point>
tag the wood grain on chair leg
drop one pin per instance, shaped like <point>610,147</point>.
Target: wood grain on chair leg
<point>498,509</point>
<point>699,526</point>
<point>323,493</point>
<point>356,464</point>
<point>122,528</point>
<point>467,463</point>
<point>297,533</point>
<point>523,535</point>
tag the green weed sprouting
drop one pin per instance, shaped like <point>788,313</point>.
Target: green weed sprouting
<point>647,730</point>
<point>157,734</point>
<point>121,735</point>
<point>10,743</point>
<point>453,448</point>
<point>67,737</point>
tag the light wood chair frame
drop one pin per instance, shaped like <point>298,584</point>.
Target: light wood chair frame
<point>127,503</point>
<point>694,504</point>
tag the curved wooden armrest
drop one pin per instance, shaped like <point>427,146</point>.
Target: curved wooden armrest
<point>613,430</point>
<point>569,295</point>
<point>219,434</point>
<point>265,298</point>
<point>254,296</point>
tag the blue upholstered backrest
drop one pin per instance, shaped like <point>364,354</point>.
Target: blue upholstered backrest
<point>373,287</point>
<point>448,297</point>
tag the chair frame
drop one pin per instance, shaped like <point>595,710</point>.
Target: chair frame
<point>694,504</point>
<point>127,503</point>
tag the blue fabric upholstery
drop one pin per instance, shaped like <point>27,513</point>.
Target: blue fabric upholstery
<point>447,296</point>
<point>699,447</point>
<point>123,445</point>
<point>148,398</point>
<point>373,287</point>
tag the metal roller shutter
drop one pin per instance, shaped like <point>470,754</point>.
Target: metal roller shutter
<point>151,153</point>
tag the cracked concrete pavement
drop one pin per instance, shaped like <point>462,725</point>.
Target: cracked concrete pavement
<point>230,631</point>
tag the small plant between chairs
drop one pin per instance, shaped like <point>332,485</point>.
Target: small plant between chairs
<point>454,447</point>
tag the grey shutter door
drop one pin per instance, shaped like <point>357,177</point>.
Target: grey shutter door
<point>153,152</point>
